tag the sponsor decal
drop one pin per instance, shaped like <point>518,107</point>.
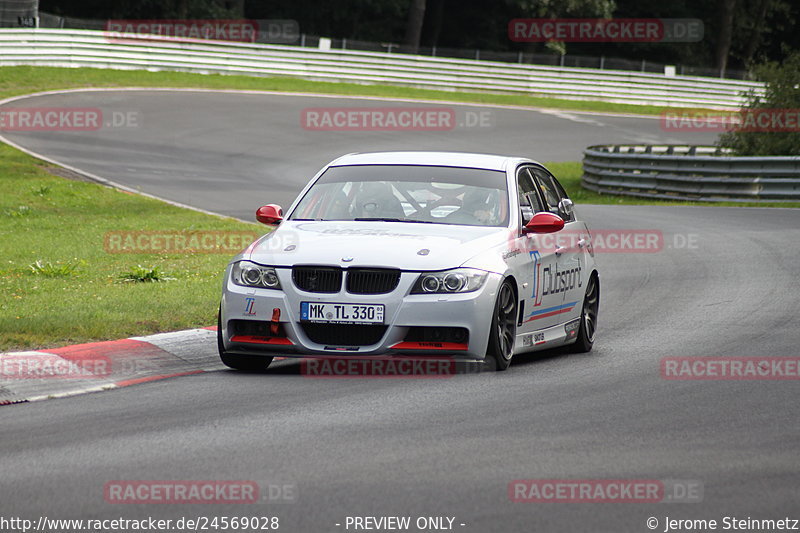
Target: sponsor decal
<point>547,281</point>
<point>550,311</point>
<point>527,340</point>
<point>366,232</point>
<point>571,328</point>
<point>560,280</point>
<point>537,276</point>
<point>249,307</point>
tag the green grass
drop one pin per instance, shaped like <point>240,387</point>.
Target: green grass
<point>24,80</point>
<point>59,285</point>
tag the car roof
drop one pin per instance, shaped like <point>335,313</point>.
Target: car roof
<point>443,159</point>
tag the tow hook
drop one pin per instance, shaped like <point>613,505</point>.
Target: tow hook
<point>276,322</point>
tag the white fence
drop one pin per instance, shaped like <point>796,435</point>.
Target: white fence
<point>88,48</point>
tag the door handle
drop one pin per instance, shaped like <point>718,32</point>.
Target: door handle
<point>560,250</point>
<point>581,243</point>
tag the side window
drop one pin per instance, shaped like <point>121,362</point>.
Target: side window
<point>552,192</point>
<point>529,201</point>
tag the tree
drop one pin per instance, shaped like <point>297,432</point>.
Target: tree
<point>782,98</point>
<point>725,35</point>
<point>416,16</point>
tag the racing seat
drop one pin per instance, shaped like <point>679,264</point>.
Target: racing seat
<point>377,200</point>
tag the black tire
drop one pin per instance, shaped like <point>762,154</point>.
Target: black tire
<point>588,329</point>
<point>503,331</point>
<point>246,363</point>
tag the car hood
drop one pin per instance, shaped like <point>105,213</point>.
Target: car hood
<point>407,246</point>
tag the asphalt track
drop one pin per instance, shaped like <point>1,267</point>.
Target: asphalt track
<point>231,153</point>
<point>437,447</point>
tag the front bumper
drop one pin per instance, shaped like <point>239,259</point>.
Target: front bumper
<point>267,322</point>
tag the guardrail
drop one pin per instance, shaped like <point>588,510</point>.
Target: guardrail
<point>705,173</point>
<point>87,48</point>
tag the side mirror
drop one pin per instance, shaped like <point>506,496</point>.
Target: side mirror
<point>270,214</point>
<point>544,222</point>
<point>566,208</point>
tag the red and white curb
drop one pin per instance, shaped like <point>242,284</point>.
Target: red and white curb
<point>61,372</point>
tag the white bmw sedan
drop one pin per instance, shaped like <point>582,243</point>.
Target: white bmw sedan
<point>414,254</point>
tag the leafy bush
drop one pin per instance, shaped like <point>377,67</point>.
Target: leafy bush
<point>782,93</point>
<point>144,275</point>
<point>53,270</point>
<point>17,212</point>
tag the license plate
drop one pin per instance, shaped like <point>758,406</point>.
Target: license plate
<point>333,313</point>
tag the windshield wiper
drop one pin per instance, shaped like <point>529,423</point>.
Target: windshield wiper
<point>384,219</point>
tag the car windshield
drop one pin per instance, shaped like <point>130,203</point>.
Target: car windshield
<point>408,193</point>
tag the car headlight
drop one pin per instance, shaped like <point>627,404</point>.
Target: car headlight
<point>249,274</point>
<point>449,281</point>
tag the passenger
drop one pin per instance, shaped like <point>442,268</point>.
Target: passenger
<point>478,208</point>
